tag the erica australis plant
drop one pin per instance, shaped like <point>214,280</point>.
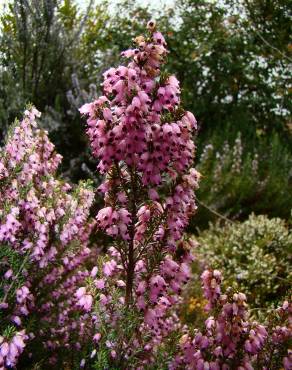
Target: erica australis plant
<point>231,339</point>
<point>64,305</point>
<point>44,229</point>
<point>143,140</point>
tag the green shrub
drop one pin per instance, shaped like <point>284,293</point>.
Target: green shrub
<point>245,176</point>
<point>255,256</point>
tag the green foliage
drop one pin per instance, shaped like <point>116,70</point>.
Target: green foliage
<point>101,362</point>
<point>228,74</point>
<point>244,176</point>
<point>34,52</point>
<point>9,257</point>
<point>9,331</point>
<point>255,256</point>
<point>192,311</point>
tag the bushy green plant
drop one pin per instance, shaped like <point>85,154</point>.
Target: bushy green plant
<point>255,256</point>
<point>243,177</point>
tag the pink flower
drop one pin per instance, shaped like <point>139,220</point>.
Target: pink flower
<point>4,349</point>
<point>85,302</point>
<point>100,283</point>
<point>109,267</point>
<point>80,292</point>
<point>94,271</point>
<point>97,337</point>
<point>86,109</point>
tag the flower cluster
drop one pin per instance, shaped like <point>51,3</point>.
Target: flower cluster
<point>44,235</point>
<point>212,286</point>
<point>114,222</point>
<point>143,140</point>
<point>10,351</point>
<point>231,340</point>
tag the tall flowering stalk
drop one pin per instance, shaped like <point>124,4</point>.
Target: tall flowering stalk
<point>143,139</point>
<point>44,236</point>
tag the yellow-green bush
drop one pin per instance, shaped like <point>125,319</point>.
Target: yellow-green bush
<point>255,256</point>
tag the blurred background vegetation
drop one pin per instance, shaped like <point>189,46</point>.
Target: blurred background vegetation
<point>233,59</point>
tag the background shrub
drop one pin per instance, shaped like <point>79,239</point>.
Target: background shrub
<point>244,175</point>
<point>255,256</point>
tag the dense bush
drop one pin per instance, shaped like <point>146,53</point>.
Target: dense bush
<point>44,238</point>
<point>255,256</point>
<point>126,302</point>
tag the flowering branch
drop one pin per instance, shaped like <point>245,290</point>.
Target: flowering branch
<point>143,140</point>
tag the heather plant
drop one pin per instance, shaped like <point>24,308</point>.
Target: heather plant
<point>44,238</point>
<point>65,303</point>
<point>255,256</point>
<point>142,138</point>
<point>230,338</point>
